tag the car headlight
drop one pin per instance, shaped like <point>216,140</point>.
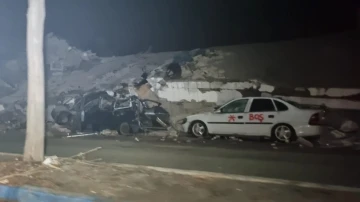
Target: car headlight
<point>182,121</point>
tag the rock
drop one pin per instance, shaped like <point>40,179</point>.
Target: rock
<point>304,142</point>
<point>108,132</point>
<point>349,126</point>
<point>4,181</point>
<point>52,160</point>
<point>56,130</point>
<point>172,132</point>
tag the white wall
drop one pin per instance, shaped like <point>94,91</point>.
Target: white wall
<point>219,92</point>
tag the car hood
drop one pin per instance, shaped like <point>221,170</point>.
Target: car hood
<point>194,116</point>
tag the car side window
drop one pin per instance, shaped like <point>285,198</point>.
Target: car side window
<point>237,106</point>
<point>262,105</point>
<point>280,106</point>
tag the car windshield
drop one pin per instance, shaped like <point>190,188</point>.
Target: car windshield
<point>222,105</point>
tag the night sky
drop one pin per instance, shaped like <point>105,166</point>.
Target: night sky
<point>119,27</point>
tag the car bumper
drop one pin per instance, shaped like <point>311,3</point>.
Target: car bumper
<point>309,130</point>
<point>185,127</point>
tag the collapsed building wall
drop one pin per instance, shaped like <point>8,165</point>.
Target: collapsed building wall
<point>220,92</point>
<point>205,76</point>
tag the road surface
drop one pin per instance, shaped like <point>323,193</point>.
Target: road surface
<point>231,157</point>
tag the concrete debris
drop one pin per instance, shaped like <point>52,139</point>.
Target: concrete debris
<point>128,90</point>
<point>56,130</point>
<point>304,142</point>
<point>13,116</point>
<point>52,160</point>
<point>338,139</point>
<point>235,138</point>
<point>338,134</point>
<point>172,132</point>
<point>5,181</point>
<point>215,137</point>
<point>349,126</point>
<point>60,128</point>
<point>108,132</point>
<point>136,139</point>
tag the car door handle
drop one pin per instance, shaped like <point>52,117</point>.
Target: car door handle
<point>271,116</point>
<point>240,117</point>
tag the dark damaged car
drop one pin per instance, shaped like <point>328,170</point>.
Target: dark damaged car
<point>101,110</point>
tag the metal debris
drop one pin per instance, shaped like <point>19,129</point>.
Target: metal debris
<point>82,135</point>
<point>215,137</point>
<point>82,154</point>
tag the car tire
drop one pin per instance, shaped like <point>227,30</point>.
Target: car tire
<point>283,133</point>
<point>198,129</point>
<point>64,118</point>
<point>124,129</point>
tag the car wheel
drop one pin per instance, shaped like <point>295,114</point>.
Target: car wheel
<point>124,129</point>
<point>283,133</point>
<point>64,118</point>
<point>198,129</point>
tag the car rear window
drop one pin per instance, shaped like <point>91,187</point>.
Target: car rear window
<point>280,106</point>
<point>262,105</point>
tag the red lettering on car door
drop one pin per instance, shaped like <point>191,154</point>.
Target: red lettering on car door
<point>259,117</point>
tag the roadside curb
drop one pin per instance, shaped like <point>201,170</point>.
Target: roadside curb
<point>243,178</point>
<point>10,154</point>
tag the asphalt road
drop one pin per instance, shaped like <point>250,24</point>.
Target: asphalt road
<point>246,158</point>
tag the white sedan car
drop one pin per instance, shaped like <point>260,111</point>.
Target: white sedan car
<point>256,116</point>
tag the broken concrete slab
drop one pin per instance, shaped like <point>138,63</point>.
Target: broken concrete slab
<point>304,142</point>
<point>109,133</point>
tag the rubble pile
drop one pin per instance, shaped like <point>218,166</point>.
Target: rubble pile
<point>13,116</point>
<point>73,73</point>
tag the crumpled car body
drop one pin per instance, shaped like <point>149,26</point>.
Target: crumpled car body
<point>103,110</point>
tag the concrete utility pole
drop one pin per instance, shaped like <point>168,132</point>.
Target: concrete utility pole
<point>35,127</point>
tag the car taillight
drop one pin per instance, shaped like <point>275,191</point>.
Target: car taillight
<point>315,119</point>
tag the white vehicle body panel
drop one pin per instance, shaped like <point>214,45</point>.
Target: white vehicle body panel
<point>256,123</point>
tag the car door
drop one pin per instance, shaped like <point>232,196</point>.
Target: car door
<point>261,117</point>
<point>229,119</point>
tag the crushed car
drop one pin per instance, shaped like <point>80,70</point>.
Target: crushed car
<point>101,110</point>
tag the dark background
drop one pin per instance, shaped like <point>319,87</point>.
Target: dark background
<point>119,27</point>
